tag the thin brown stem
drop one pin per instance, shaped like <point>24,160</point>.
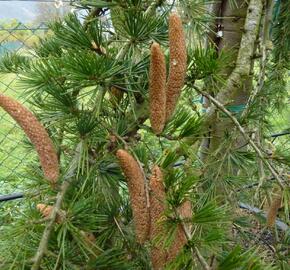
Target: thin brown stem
<point>43,244</point>
<point>221,107</point>
<point>42,248</point>
<point>194,250</point>
<point>201,259</point>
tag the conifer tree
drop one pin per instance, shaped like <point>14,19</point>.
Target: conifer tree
<point>144,176</point>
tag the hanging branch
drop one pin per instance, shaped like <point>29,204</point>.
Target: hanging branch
<point>195,251</point>
<point>221,107</point>
<point>243,63</point>
<point>201,259</point>
<point>50,225</point>
<point>54,215</point>
<point>264,57</point>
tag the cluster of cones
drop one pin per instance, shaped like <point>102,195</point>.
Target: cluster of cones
<point>148,210</point>
<point>39,138</point>
<point>164,94</point>
<point>163,91</point>
<point>149,207</point>
<point>44,147</point>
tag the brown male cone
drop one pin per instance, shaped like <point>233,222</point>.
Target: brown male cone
<point>157,208</point>
<point>178,60</point>
<point>157,89</point>
<point>185,212</point>
<point>159,256</point>
<point>273,211</point>
<point>46,210</point>
<point>136,185</point>
<point>115,96</point>
<point>36,133</point>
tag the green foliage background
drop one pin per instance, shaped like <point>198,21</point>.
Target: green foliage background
<point>68,78</point>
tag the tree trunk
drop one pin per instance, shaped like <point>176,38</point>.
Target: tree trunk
<point>230,32</point>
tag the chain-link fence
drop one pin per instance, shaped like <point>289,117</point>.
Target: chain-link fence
<point>18,36</point>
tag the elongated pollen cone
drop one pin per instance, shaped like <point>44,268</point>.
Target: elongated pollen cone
<point>273,211</point>
<point>157,89</point>
<point>136,185</point>
<point>159,256</point>
<point>185,212</point>
<point>36,133</point>
<point>178,63</point>
<point>46,210</point>
<point>116,96</point>
<point>157,208</point>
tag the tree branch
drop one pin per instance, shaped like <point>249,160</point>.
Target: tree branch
<point>201,259</point>
<point>194,250</point>
<point>49,227</point>
<point>221,107</point>
<point>42,248</point>
<point>265,52</point>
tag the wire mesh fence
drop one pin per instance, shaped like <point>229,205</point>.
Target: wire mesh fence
<point>16,36</point>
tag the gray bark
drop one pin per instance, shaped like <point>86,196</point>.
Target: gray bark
<point>240,27</point>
